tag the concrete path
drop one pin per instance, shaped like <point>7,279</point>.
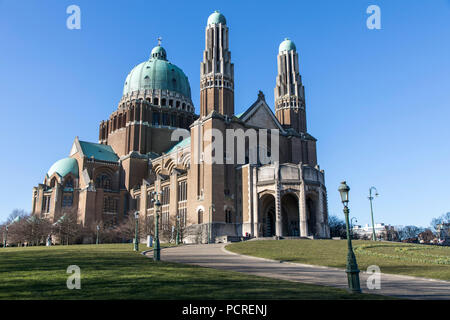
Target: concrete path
<point>216,256</point>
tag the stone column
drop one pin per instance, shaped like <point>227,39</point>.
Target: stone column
<point>278,229</point>
<point>255,212</point>
<point>319,215</point>
<point>302,211</point>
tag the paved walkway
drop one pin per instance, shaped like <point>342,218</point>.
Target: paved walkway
<point>216,256</point>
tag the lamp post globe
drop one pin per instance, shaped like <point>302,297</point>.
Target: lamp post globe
<point>136,232</point>
<point>352,266</point>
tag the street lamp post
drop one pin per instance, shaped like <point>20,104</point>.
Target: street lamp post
<point>177,241</point>
<point>213,209</point>
<point>374,238</point>
<point>157,248</point>
<point>352,267</point>
<point>136,232</point>
<point>98,228</point>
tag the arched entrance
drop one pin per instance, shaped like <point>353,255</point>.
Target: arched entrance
<point>289,216</point>
<point>311,213</point>
<point>267,215</point>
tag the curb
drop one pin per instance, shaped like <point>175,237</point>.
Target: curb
<point>333,268</point>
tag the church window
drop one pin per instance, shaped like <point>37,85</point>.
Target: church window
<point>228,216</point>
<point>149,200</point>
<point>165,119</point>
<point>155,118</point>
<point>69,183</point>
<point>200,216</point>
<point>178,104</point>
<point>182,191</point>
<point>183,106</point>
<point>53,183</point>
<point>103,181</point>
<point>46,204</point>
<point>181,122</point>
<point>155,101</point>
<point>173,120</point>
<point>165,196</point>
<point>67,200</point>
<point>171,103</point>
<point>109,205</point>
<point>163,102</point>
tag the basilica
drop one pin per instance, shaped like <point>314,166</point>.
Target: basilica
<point>136,158</point>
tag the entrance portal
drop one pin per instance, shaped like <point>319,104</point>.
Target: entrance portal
<point>268,215</point>
<point>289,216</point>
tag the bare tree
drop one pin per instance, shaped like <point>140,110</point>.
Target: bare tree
<point>409,232</point>
<point>16,213</point>
<point>67,228</point>
<point>337,227</point>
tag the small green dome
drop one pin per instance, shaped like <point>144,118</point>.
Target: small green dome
<point>216,18</point>
<point>158,52</point>
<point>287,45</point>
<point>63,167</point>
<point>157,73</point>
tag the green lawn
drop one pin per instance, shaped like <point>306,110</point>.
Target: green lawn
<point>116,272</point>
<point>391,257</point>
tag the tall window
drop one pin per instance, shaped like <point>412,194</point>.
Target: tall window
<point>165,196</point>
<point>67,200</point>
<point>155,118</point>
<point>182,190</point>
<point>69,183</point>
<point>200,216</point>
<point>228,216</point>
<point>165,200</point>
<point>103,181</point>
<point>110,205</point>
<point>182,202</point>
<point>173,120</point>
<point>165,119</point>
<point>46,204</point>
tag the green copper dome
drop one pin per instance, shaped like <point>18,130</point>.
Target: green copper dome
<point>63,167</point>
<point>286,45</point>
<point>158,52</point>
<point>157,73</point>
<point>216,18</point>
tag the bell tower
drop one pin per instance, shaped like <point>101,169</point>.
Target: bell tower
<point>289,90</point>
<point>216,70</point>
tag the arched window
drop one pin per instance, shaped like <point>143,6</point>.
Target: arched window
<point>53,182</point>
<point>68,183</point>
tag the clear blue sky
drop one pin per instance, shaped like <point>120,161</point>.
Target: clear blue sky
<point>378,101</point>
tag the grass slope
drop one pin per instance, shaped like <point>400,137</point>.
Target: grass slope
<point>116,272</point>
<point>391,257</point>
